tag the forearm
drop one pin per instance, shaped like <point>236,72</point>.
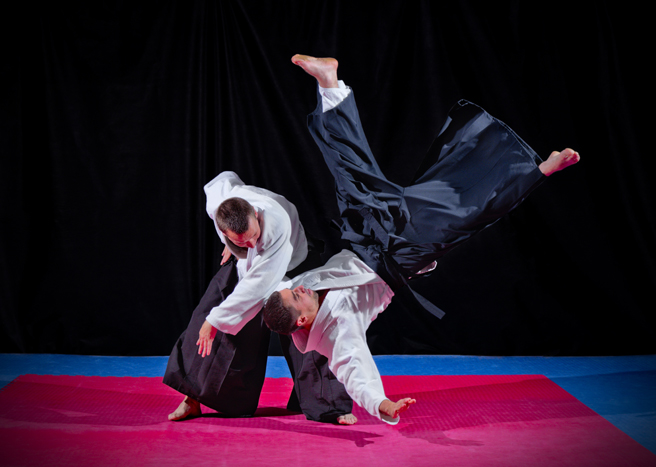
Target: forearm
<point>354,366</point>
<point>249,294</point>
<point>231,317</point>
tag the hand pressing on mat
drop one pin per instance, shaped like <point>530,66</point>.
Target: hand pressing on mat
<point>205,338</point>
<point>394,409</point>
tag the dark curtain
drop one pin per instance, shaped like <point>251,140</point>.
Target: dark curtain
<point>115,114</point>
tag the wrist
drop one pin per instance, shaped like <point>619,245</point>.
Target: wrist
<point>385,408</point>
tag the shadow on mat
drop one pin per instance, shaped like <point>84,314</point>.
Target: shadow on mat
<point>436,412</point>
<point>53,405</point>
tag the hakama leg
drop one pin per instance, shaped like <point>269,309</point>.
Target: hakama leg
<point>317,392</point>
<point>359,182</point>
<point>230,379</point>
<point>483,170</point>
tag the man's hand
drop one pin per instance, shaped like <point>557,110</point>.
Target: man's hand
<point>205,338</point>
<point>393,409</point>
<point>225,256</point>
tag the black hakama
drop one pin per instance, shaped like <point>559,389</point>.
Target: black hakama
<point>481,172</point>
<point>230,379</point>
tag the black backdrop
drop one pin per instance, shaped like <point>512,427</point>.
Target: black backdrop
<point>115,114</point>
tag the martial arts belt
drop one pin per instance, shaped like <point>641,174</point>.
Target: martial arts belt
<point>374,253</point>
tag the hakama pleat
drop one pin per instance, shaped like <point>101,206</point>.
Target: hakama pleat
<point>481,172</point>
<point>317,392</point>
<point>230,379</point>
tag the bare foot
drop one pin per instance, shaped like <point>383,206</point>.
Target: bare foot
<point>323,69</point>
<point>559,160</point>
<point>347,419</point>
<point>188,408</point>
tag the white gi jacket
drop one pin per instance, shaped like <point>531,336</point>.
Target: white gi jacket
<point>357,295</point>
<point>281,247</point>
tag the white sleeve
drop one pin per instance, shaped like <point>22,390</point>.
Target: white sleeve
<point>353,365</point>
<point>332,97</point>
<point>260,281</point>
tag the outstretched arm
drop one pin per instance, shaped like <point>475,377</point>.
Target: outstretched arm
<point>393,409</point>
<point>351,362</point>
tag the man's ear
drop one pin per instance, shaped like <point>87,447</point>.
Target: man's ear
<point>301,321</point>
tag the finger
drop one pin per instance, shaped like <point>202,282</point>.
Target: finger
<point>207,347</point>
<point>408,403</point>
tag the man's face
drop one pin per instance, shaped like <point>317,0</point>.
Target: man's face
<point>306,301</point>
<point>249,238</point>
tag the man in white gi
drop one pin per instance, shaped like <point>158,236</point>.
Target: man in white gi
<point>484,171</point>
<point>273,243</point>
<point>263,230</point>
<point>328,310</point>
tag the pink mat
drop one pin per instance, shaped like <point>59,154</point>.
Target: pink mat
<point>458,420</point>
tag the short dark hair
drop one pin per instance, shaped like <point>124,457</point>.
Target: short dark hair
<point>233,214</point>
<point>278,317</point>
